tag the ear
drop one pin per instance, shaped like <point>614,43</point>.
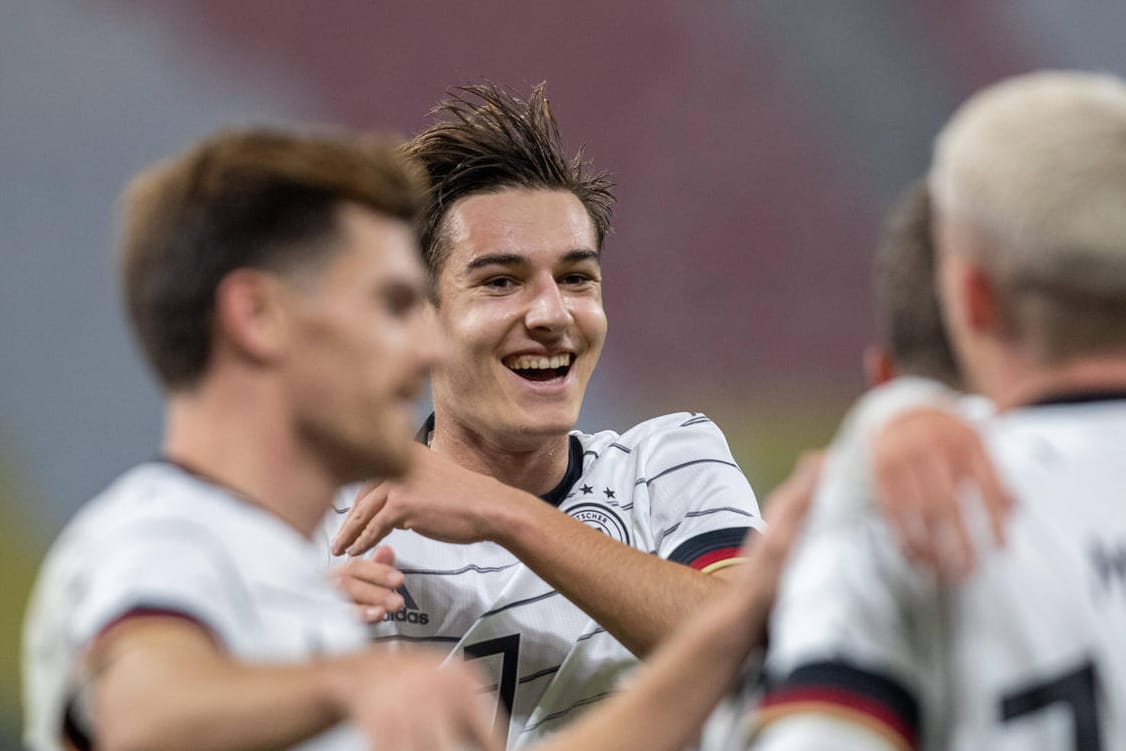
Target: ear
<point>878,366</point>
<point>979,295</point>
<point>249,316</point>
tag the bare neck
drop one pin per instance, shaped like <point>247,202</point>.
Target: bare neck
<point>1020,386</point>
<point>535,467</point>
<point>237,436</point>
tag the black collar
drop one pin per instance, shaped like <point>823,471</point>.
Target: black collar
<point>554,496</point>
<point>1080,397</point>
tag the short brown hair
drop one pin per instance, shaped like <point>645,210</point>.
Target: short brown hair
<point>256,198</point>
<point>910,317</point>
<point>487,140</point>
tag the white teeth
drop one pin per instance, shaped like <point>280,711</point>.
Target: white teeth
<point>532,362</point>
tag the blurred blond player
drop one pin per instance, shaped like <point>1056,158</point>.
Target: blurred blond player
<point>867,650</point>
<point>274,283</point>
<point>870,651</point>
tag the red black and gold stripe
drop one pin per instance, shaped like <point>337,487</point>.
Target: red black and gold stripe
<point>713,550</point>
<point>875,701</point>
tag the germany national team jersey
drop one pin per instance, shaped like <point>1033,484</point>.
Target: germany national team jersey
<point>161,541</point>
<point>1028,653</point>
<point>668,487</point>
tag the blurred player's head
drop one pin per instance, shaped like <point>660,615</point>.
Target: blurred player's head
<point>914,341</point>
<point>512,235</point>
<point>289,262</point>
<point>1029,186</point>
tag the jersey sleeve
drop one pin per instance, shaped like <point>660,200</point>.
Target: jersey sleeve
<point>854,632</point>
<point>701,503</point>
<point>164,567</point>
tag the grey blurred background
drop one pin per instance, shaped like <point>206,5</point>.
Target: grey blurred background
<point>755,146</point>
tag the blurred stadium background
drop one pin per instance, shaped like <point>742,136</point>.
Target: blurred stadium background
<point>755,145</point>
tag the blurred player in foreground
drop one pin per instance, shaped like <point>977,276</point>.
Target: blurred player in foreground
<point>868,651</point>
<point>913,358</point>
<point>274,283</point>
<point>569,553</point>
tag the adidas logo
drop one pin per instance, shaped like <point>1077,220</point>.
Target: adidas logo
<point>409,612</point>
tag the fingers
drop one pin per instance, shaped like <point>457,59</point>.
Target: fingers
<point>371,585</point>
<point>376,529</point>
<point>384,554</point>
<point>896,495</point>
<point>918,494</point>
<point>922,462</point>
<point>369,501</point>
<point>996,500</point>
<point>949,547</point>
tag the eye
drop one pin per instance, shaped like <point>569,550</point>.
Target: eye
<point>400,300</point>
<point>576,279</point>
<point>499,283</point>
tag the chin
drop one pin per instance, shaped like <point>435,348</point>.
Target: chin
<point>547,425</point>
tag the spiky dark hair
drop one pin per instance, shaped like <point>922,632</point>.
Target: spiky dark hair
<point>488,139</point>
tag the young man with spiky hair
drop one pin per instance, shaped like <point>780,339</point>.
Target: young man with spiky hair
<point>562,556</point>
<point>274,284</point>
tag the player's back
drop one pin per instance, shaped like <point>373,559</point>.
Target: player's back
<point>1027,654</point>
<point>1035,640</point>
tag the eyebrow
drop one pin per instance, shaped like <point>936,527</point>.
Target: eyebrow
<point>514,259</point>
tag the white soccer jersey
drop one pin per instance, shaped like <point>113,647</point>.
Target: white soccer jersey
<point>160,540</point>
<point>669,487</point>
<point>1028,653</point>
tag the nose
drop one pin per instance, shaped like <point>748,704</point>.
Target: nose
<point>549,310</point>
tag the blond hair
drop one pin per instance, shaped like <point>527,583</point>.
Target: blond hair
<point>1036,166</point>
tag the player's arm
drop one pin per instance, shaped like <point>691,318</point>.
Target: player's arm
<point>675,691</point>
<point>638,598</point>
<point>163,683</point>
<point>846,630</point>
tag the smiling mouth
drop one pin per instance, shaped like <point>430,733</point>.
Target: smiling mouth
<point>540,368</point>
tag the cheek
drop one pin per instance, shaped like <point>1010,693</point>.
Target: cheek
<point>475,332</point>
<point>591,320</point>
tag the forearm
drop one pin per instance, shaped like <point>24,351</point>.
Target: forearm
<point>657,712</point>
<point>639,598</point>
<point>160,698</point>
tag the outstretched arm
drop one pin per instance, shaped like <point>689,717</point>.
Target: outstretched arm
<point>637,597</point>
<point>658,712</point>
<point>163,683</point>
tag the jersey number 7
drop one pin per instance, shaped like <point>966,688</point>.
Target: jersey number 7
<point>507,648</point>
<point>1076,689</point>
